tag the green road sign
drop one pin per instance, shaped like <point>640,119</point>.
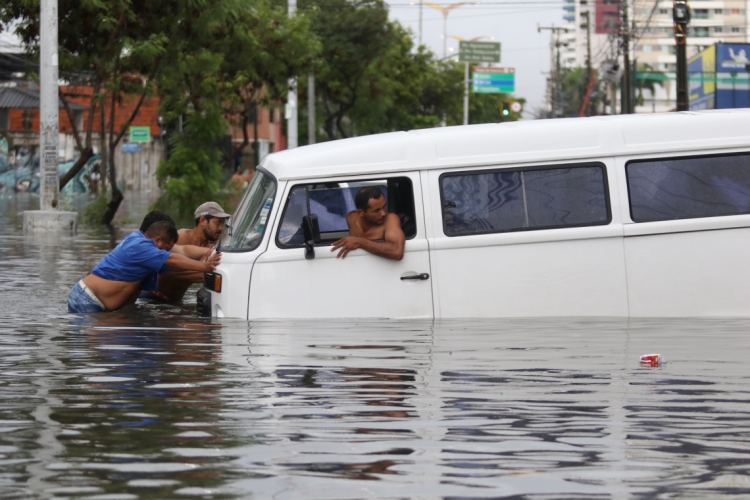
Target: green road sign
<point>493,80</point>
<point>488,52</point>
<point>140,134</point>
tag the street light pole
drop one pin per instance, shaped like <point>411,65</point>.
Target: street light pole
<point>421,3</point>
<point>291,104</point>
<point>445,11</point>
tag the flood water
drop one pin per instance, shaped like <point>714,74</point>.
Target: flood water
<point>154,402</point>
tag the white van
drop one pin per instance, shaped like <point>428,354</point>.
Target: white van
<point>639,215</point>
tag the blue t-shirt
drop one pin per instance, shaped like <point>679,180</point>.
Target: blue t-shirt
<point>136,258</point>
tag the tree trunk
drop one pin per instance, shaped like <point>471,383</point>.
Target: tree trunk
<point>330,119</point>
<point>117,196</point>
<point>86,155</point>
<point>340,126</point>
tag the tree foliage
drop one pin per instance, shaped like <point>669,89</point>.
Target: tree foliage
<point>231,56</point>
<point>113,46</point>
<point>207,61</point>
<point>370,78</point>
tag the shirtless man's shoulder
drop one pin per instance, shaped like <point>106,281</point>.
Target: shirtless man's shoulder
<point>184,237</point>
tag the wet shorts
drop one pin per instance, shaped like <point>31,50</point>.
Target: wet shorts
<point>83,300</point>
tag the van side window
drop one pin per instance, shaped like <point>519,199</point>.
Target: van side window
<point>685,188</point>
<point>521,200</point>
<point>332,201</point>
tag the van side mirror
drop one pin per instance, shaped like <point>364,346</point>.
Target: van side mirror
<point>311,231</point>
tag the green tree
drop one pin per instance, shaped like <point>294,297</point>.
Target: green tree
<point>353,33</point>
<point>228,59</point>
<point>114,46</point>
<point>649,79</point>
<point>575,85</point>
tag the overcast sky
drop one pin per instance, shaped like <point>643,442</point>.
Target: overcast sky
<point>511,22</point>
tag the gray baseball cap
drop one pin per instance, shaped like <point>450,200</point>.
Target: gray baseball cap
<point>211,208</point>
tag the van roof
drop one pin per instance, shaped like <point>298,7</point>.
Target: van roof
<point>516,143</point>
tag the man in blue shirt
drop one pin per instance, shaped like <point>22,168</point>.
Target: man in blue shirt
<point>134,265</point>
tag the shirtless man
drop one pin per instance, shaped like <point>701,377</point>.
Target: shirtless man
<point>371,222</point>
<point>131,267</point>
<point>210,219</point>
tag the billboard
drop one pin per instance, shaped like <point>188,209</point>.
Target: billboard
<point>607,16</point>
<point>718,77</point>
<point>732,89</point>
<point>702,80</point>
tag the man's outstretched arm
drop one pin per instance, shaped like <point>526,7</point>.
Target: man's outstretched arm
<point>192,251</point>
<point>392,248</point>
<point>182,263</point>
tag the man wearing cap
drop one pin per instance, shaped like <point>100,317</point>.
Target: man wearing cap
<point>209,223</point>
<point>210,219</point>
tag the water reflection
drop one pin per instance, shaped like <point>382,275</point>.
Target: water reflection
<point>153,402</point>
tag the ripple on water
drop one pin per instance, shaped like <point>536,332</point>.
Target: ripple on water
<point>154,402</point>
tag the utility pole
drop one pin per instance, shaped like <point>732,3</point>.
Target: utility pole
<point>626,82</point>
<point>681,15</point>
<point>421,3</point>
<point>48,218</point>
<point>589,70</point>
<point>466,93</point>
<point>311,123</point>
<point>556,104</point>
<point>49,127</point>
<point>291,102</point>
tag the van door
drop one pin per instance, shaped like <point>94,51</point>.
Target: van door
<point>527,242</point>
<point>285,284</point>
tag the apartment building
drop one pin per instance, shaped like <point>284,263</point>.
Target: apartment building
<point>653,42</point>
<point>582,24</point>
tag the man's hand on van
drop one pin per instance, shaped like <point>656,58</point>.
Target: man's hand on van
<point>346,244</point>
<point>212,262</point>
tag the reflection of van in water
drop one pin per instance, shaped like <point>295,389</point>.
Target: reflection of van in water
<point>607,216</point>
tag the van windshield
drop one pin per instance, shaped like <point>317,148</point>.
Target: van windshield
<point>251,216</point>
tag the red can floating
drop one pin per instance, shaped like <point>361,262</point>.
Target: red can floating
<point>652,360</point>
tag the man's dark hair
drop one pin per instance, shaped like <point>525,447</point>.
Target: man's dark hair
<point>367,193</point>
<point>162,228</point>
<point>154,216</point>
<point>198,219</point>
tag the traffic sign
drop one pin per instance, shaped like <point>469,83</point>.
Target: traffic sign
<point>516,107</point>
<point>487,52</point>
<point>493,80</point>
<point>140,134</point>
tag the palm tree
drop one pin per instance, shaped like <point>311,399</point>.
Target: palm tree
<point>649,82</point>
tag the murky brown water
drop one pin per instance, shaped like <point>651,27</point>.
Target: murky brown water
<point>154,402</point>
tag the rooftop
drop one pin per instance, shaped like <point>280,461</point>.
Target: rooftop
<point>515,142</point>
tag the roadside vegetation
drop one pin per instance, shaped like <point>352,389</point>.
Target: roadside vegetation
<point>216,63</point>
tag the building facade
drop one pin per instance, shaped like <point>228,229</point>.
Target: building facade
<point>654,48</point>
<point>652,45</point>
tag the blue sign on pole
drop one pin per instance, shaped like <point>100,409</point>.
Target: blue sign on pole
<point>493,80</point>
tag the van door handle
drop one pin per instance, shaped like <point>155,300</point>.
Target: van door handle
<point>423,276</point>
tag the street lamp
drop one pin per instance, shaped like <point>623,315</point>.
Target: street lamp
<point>445,11</point>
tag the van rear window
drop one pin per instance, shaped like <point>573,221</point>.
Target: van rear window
<point>522,200</point>
<point>685,188</point>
